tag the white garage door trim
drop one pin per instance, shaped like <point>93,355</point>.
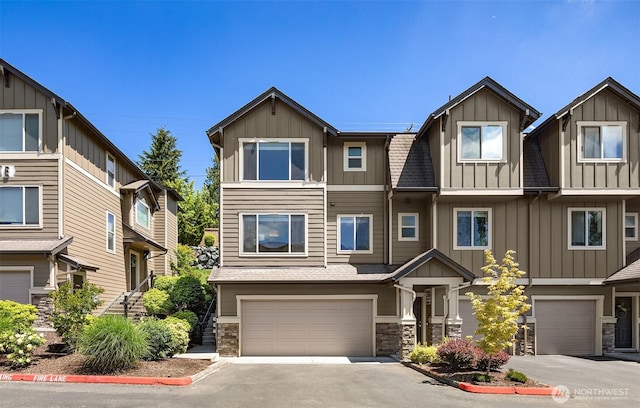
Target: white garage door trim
<point>373,298</point>
<point>599,299</point>
<point>25,269</point>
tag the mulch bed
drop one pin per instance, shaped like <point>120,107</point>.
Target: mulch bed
<point>47,362</point>
<point>446,374</point>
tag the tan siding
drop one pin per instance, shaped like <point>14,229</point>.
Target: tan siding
<point>406,250</point>
<point>549,249</point>
<point>482,106</point>
<point>605,106</point>
<point>85,206</point>
<point>356,202</point>
<point>305,201</point>
<point>386,295</point>
<point>260,123</point>
<point>37,172</point>
<point>157,264</point>
<point>375,160</point>
<point>172,231</point>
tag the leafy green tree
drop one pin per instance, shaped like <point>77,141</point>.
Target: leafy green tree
<point>162,161</point>
<point>72,309</point>
<point>211,189</point>
<point>497,315</point>
<point>195,213</point>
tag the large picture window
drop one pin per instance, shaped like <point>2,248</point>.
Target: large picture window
<point>586,228</point>
<point>472,228</point>
<point>19,206</point>
<point>274,161</point>
<point>274,234</point>
<point>601,141</point>
<point>143,214</point>
<point>355,233</point>
<point>481,141</point>
<point>19,132</point>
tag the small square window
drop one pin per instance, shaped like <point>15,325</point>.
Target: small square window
<point>355,156</point>
<point>587,228</point>
<point>601,141</point>
<point>355,234</point>
<point>472,228</point>
<point>631,226</point>
<point>408,227</point>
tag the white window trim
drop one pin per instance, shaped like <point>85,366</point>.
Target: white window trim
<point>489,229</point>
<point>106,180</point>
<point>108,213</point>
<point>25,112</point>
<point>242,141</point>
<point>604,229</point>
<point>635,226</point>
<point>400,226</point>
<point>339,227</point>
<point>580,144</point>
<point>273,254</point>
<point>505,137</point>
<point>139,201</point>
<point>363,146</point>
<point>39,225</point>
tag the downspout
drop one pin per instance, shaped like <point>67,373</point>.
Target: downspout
<point>525,336</point>
<point>324,204</point>
<point>387,216</point>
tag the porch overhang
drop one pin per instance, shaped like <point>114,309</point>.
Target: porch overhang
<point>34,246</point>
<point>134,238</point>
<point>428,256</point>
<point>76,263</point>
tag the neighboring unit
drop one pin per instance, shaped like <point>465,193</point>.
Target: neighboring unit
<point>364,243</point>
<point>73,207</point>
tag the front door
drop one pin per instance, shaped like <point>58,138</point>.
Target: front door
<point>417,312</point>
<point>624,322</point>
<point>134,270</point>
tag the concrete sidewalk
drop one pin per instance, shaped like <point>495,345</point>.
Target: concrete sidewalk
<point>200,353</point>
<point>309,360</point>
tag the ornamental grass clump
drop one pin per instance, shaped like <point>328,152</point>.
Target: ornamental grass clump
<point>112,343</point>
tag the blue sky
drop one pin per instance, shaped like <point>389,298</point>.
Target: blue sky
<point>131,67</point>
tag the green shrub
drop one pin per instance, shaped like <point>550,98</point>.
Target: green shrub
<point>158,334</point>
<point>165,283</point>
<point>484,378</point>
<point>209,240</point>
<point>188,294</point>
<point>184,259</point>
<point>112,343</point>
<point>157,302</point>
<point>187,316</point>
<point>179,335</point>
<point>16,316</point>
<point>422,354</point>
<point>71,308</point>
<point>19,346</point>
<point>516,376</point>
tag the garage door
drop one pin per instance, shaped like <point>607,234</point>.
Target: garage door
<point>15,286</point>
<point>565,327</point>
<point>469,322</point>
<point>306,328</point>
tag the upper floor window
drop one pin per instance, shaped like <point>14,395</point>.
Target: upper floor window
<point>280,160</point>
<point>111,233</point>
<point>631,226</point>
<point>19,131</point>
<point>472,228</point>
<point>407,226</point>
<point>481,141</point>
<point>111,171</point>
<point>601,141</point>
<point>273,234</point>
<point>355,233</point>
<point>19,206</point>
<point>355,156</point>
<point>587,228</point>
<point>143,214</point>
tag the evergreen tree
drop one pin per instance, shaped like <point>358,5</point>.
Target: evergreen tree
<point>162,161</point>
<point>211,188</point>
<point>194,212</point>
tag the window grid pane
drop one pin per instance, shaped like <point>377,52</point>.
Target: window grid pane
<point>249,233</point>
<point>480,228</point>
<point>464,228</point>
<point>250,159</point>
<point>11,128</point>
<point>470,143</point>
<point>273,233</point>
<point>611,142</point>
<point>32,205</point>
<point>11,206</point>
<point>362,234</point>
<point>595,228</point>
<point>347,233</point>
<point>491,145</point>
<point>591,142</point>
<point>32,129</point>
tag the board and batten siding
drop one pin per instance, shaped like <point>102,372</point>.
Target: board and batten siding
<point>404,251</point>
<point>36,172</point>
<point>548,140</point>
<point>159,264</point>
<point>386,294</point>
<point>602,107</point>
<point>20,95</point>
<point>261,124</point>
<point>356,203</point>
<point>633,206</point>
<point>550,256</point>
<point>273,201</point>
<point>376,165</point>
<point>85,205</point>
<point>483,106</point>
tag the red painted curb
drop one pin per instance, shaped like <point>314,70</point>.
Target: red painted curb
<point>534,391</point>
<point>481,389</point>
<point>95,379</point>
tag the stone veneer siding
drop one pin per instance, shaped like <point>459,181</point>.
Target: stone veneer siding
<point>227,335</point>
<point>44,304</point>
<point>454,331</point>
<point>408,340</point>
<point>436,333</point>
<point>608,337</point>
<point>520,348</point>
<point>388,339</point>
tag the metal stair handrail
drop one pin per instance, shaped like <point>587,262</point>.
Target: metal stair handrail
<point>113,302</point>
<point>125,302</point>
<point>202,323</point>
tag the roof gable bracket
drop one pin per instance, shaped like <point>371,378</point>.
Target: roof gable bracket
<point>523,118</point>
<point>443,120</point>
<point>5,75</point>
<point>566,120</point>
<point>273,103</point>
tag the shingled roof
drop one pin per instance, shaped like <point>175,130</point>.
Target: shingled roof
<point>629,273</point>
<point>535,176</point>
<point>410,164</point>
